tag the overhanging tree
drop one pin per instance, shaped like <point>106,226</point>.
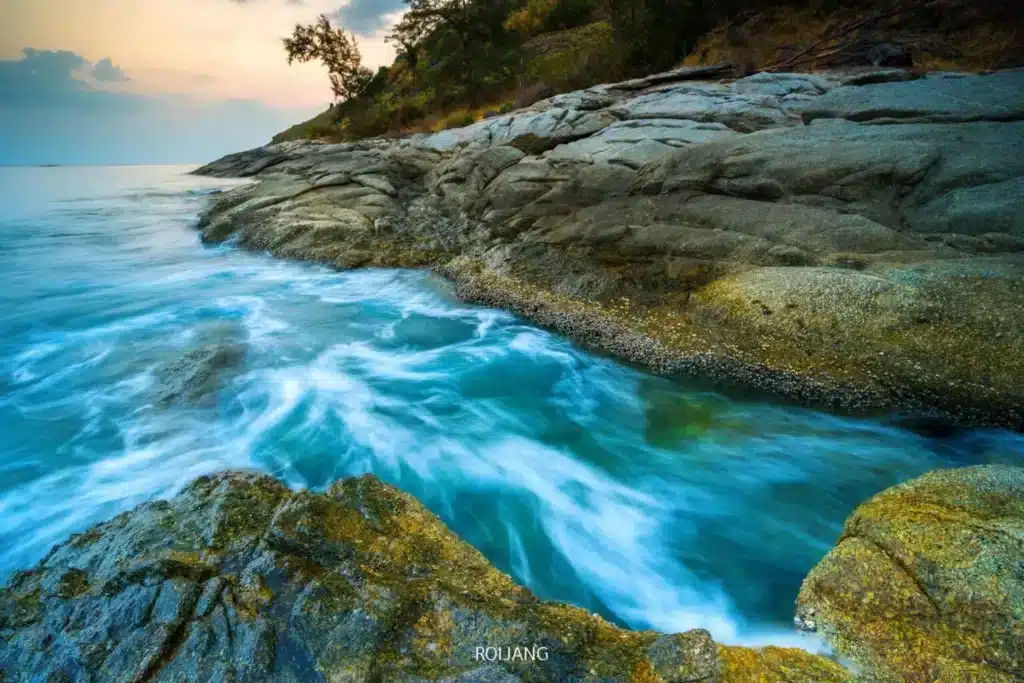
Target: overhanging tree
<point>338,51</point>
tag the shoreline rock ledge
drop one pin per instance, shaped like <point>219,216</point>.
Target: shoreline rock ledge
<point>240,579</point>
<point>847,240</point>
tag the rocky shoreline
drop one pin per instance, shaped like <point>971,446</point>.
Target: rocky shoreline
<point>851,240</point>
<point>238,578</point>
<point>847,240</point>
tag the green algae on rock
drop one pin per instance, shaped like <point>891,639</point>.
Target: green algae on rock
<point>926,582</point>
<point>239,578</point>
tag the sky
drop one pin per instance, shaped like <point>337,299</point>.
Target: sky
<point>162,81</point>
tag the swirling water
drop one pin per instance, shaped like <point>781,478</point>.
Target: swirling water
<point>656,505</point>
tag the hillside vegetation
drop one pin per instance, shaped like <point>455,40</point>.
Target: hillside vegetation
<point>462,60</point>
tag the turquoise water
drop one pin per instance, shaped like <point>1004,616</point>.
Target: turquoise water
<point>590,482</point>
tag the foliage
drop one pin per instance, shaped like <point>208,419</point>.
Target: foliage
<point>541,16</point>
<point>471,55</point>
<point>571,59</point>
<point>338,51</point>
<point>322,126</point>
<point>654,34</point>
<point>460,48</point>
<point>532,19</point>
<point>457,119</point>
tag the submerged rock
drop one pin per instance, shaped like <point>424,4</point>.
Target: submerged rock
<point>926,582</point>
<point>240,579</point>
<point>194,377</point>
<point>766,233</point>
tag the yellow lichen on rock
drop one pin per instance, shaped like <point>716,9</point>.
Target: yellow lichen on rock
<point>925,583</point>
<point>777,665</point>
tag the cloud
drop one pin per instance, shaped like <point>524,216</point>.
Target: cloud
<point>55,108</point>
<point>40,73</point>
<point>105,71</point>
<point>367,17</point>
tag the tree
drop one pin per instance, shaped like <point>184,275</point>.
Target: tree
<point>338,51</point>
<point>461,41</point>
<point>654,34</point>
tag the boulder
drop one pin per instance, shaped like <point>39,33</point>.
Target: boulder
<point>241,579</point>
<point>926,582</point>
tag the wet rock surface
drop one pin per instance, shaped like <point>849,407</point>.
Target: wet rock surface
<point>926,582</point>
<point>241,579</point>
<point>194,377</point>
<point>850,240</point>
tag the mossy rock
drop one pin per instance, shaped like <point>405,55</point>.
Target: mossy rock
<point>239,578</point>
<point>926,582</point>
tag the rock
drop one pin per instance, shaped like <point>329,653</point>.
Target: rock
<point>655,220</point>
<point>685,73</point>
<point>995,97</point>
<point>639,142</point>
<point>253,162</point>
<point>584,100</point>
<point>890,174</point>
<point>742,113</point>
<point>194,377</point>
<point>783,84</point>
<point>238,578</point>
<point>889,54</point>
<point>868,76</point>
<point>530,131</point>
<point>926,582</point>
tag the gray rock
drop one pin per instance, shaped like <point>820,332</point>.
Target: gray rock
<point>742,113</point>
<point>639,142</point>
<point>685,73</point>
<point>530,131</point>
<point>869,76</point>
<point>782,84</point>
<point>995,97</point>
<point>194,377</point>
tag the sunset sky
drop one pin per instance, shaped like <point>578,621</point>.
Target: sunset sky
<point>162,81</point>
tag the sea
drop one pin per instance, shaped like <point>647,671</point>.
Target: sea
<point>657,504</point>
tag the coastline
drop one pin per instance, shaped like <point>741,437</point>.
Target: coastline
<point>694,244</point>
<point>241,576</point>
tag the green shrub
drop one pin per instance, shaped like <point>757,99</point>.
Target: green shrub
<point>572,59</point>
<point>459,119</point>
